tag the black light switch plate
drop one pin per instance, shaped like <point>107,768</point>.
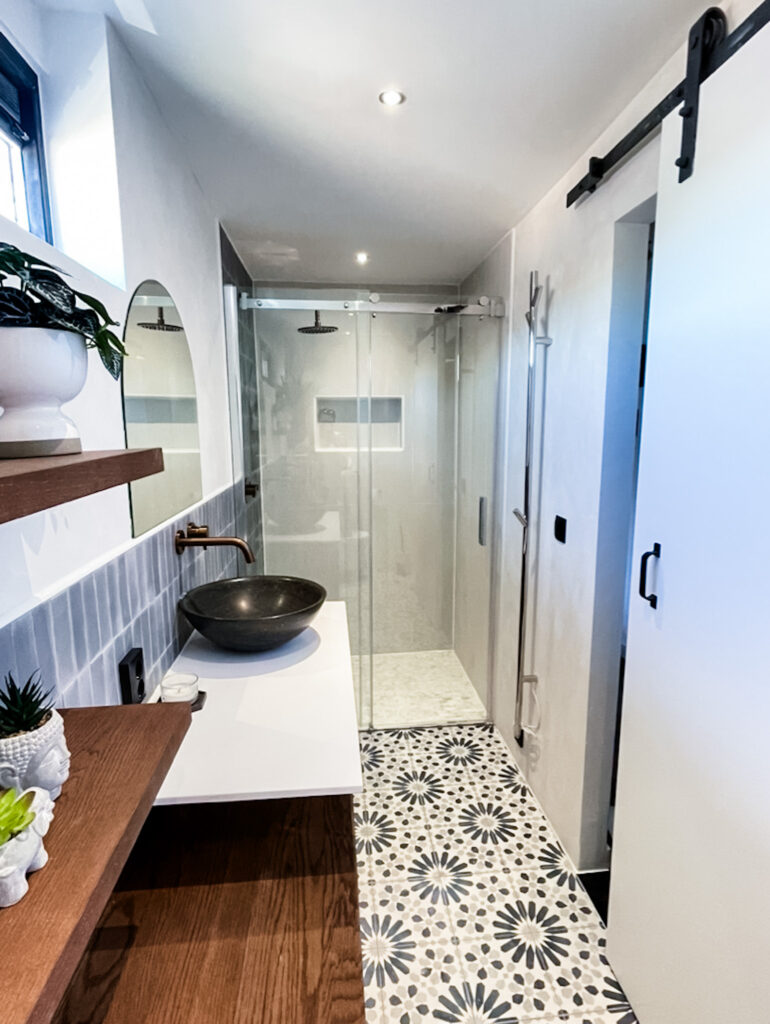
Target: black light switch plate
<point>560,529</point>
<point>131,675</point>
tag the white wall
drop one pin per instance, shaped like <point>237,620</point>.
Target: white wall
<point>22,25</point>
<point>80,142</point>
<point>573,252</point>
<point>168,233</point>
<point>68,52</point>
<point>40,552</point>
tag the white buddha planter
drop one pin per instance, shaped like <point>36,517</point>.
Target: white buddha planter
<point>40,368</point>
<point>25,852</point>
<point>39,758</point>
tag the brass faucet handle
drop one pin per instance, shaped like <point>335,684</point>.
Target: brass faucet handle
<point>197,531</point>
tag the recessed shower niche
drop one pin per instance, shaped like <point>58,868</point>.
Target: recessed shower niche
<point>337,420</point>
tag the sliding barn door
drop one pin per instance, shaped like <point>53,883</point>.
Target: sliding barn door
<point>689,924</point>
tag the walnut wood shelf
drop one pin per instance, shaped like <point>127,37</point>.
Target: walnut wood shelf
<point>230,913</point>
<point>120,756</point>
<point>31,485</point>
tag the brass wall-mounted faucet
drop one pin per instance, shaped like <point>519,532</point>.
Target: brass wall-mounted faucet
<point>198,537</point>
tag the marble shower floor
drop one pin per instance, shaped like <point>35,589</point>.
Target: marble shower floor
<point>471,911</point>
<point>420,688</point>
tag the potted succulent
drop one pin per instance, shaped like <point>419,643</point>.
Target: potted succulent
<point>24,820</point>
<point>46,327</point>
<point>33,751</point>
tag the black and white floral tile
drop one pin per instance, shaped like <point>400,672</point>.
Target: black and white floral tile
<point>471,912</point>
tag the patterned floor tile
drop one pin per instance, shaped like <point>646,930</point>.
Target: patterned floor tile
<point>506,783</point>
<point>471,909</point>
<point>514,972</point>
<point>410,954</point>
<point>393,834</point>
<point>452,746</point>
<point>375,832</point>
<point>584,983</point>
<point>620,1013</point>
<point>490,834</point>
<point>479,1002</point>
<point>383,755</point>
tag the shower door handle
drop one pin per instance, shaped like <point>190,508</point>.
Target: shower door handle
<point>483,522</point>
<point>652,598</point>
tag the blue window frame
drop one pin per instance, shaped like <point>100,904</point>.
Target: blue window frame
<point>23,185</point>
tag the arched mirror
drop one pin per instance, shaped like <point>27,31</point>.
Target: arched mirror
<point>160,407</point>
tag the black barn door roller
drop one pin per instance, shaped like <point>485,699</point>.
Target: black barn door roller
<point>709,48</point>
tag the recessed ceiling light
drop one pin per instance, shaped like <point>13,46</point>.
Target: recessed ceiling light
<point>392,98</point>
<point>362,257</point>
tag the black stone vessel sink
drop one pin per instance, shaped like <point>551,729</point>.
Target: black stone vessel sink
<point>253,613</point>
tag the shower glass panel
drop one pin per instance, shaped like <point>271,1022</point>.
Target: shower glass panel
<point>414,361</point>
<point>477,418</point>
<point>314,459</point>
<point>377,455</point>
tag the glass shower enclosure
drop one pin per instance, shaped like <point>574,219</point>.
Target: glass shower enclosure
<point>376,463</point>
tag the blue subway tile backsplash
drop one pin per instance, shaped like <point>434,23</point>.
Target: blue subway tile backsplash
<point>77,637</point>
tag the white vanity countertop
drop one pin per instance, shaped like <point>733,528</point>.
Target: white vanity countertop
<point>278,724</point>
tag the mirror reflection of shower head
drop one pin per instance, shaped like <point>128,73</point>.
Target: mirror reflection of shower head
<point>160,324</point>
<point>317,327</point>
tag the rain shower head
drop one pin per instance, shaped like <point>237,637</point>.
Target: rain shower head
<point>160,324</point>
<point>317,327</point>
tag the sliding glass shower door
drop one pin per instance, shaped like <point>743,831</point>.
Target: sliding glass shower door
<point>377,449</point>
<point>418,535</point>
<point>314,458</point>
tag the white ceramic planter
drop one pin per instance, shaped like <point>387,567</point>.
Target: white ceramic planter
<point>39,369</point>
<point>37,759</point>
<point>25,852</point>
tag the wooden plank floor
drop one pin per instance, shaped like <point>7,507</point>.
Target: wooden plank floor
<point>240,913</point>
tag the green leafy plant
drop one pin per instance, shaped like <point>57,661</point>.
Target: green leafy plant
<point>43,298</point>
<point>15,813</point>
<point>23,708</point>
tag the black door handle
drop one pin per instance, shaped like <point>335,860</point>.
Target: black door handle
<point>652,598</point>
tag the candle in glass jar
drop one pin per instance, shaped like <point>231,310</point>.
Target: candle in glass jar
<point>179,686</point>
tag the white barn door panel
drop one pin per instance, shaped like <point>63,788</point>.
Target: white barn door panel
<point>689,919</point>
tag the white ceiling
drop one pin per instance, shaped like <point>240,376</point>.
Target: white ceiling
<point>276,106</point>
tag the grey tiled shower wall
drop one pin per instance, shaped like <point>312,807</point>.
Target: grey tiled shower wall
<point>77,637</point>
<point>234,272</point>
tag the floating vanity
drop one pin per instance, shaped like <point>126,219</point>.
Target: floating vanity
<point>277,724</point>
<point>239,903</point>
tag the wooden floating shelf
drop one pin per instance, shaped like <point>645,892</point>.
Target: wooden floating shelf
<point>120,756</point>
<point>31,485</point>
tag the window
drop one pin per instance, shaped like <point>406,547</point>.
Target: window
<point>23,192</point>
